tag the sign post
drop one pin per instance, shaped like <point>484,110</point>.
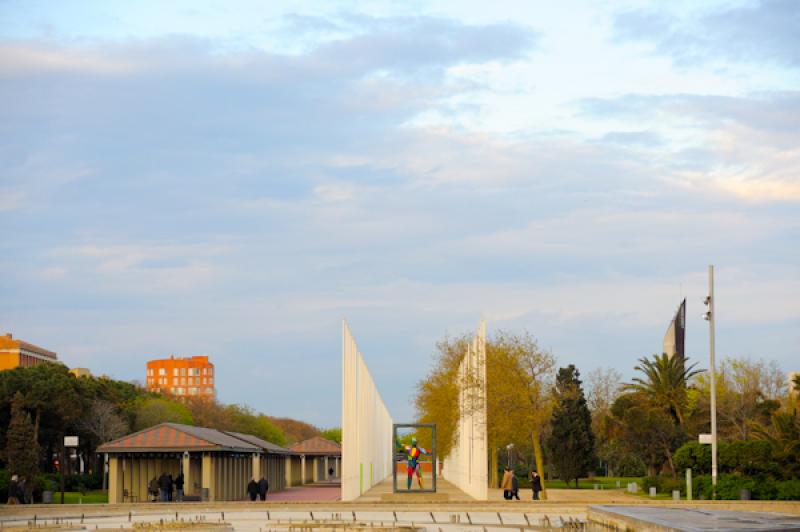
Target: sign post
<point>69,441</point>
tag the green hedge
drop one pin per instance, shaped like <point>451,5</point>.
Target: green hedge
<point>748,457</point>
<point>729,488</point>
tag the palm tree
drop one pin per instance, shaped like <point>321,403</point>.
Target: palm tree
<point>664,382</point>
<point>784,438</point>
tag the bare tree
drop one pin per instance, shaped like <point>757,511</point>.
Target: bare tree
<point>103,421</point>
<point>603,386</point>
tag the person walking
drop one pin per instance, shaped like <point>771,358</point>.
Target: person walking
<point>263,488</point>
<point>252,489</point>
<point>152,488</point>
<point>536,484</point>
<point>163,487</point>
<point>179,487</point>
<point>22,490</point>
<point>506,484</point>
<point>12,490</point>
<point>514,486</point>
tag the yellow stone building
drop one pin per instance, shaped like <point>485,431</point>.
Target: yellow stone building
<point>20,354</point>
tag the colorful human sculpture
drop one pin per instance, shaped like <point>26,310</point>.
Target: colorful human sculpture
<point>413,452</point>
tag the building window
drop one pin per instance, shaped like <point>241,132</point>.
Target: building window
<point>183,380</point>
<point>192,391</point>
<point>210,371</point>
<point>204,380</point>
<point>204,371</point>
<point>162,371</point>
<point>183,372</point>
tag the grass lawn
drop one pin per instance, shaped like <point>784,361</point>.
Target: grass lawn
<point>587,484</point>
<point>75,497</point>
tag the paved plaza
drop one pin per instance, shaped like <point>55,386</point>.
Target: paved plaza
<point>689,519</point>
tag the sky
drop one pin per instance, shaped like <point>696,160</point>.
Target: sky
<point>235,178</point>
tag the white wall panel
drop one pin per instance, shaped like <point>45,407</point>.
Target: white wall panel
<point>467,464</point>
<point>366,424</point>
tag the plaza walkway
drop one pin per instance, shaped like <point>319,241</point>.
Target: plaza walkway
<point>320,492</point>
<point>445,491</point>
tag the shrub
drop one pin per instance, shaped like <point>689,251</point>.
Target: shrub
<point>5,478</point>
<point>761,488</point>
<point>787,490</point>
<point>664,484</point>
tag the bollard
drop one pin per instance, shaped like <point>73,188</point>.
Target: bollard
<point>689,484</point>
<point>652,491</point>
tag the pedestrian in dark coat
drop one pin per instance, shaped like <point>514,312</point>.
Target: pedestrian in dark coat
<point>13,486</point>
<point>263,488</point>
<point>536,484</point>
<point>164,483</point>
<point>252,489</point>
<point>179,487</point>
<point>514,486</point>
<point>22,491</point>
<point>171,486</point>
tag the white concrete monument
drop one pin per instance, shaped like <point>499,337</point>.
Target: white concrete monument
<point>366,425</point>
<point>467,465</point>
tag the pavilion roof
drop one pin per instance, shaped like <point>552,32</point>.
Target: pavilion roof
<point>178,437</point>
<point>317,445</point>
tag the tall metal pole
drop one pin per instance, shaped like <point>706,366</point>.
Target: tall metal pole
<point>711,318</point>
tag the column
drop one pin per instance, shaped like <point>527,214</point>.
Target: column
<point>326,469</point>
<point>287,470</point>
<point>114,480</point>
<point>302,469</point>
<point>187,473</point>
<point>208,475</point>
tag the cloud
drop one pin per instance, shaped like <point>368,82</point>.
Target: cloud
<point>239,202</point>
<point>762,31</point>
<point>746,146</point>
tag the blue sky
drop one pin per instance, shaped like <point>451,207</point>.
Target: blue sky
<point>234,178</point>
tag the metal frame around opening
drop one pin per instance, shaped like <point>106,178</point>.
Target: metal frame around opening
<point>432,427</point>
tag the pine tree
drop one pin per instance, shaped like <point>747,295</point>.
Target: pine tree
<point>22,449</point>
<point>571,441</point>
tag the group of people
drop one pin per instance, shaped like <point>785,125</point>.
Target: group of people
<point>17,492</point>
<point>258,489</point>
<point>510,484</point>
<point>164,487</point>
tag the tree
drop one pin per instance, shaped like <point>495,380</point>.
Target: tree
<point>571,442</point>
<point>153,411</point>
<point>784,438</point>
<point>664,383</point>
<point>534,375</point>
<point>293,430</point>
<point>517,398</point>
<point>103,422</point>
<point>603,386</point>
<point>436,400</point>
<point>647,430</point>
<point>22,449</point>
<point>333,434</point>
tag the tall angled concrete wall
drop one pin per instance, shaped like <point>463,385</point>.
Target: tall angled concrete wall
<point>467,464</point>
<point>366,425</point>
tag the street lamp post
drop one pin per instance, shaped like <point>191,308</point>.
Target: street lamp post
<point>710,316</point>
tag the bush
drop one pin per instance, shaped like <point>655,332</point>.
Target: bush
<point>787,490</point>
<point>5,478</point>
<point>761,488</point>
<point>663,484</point>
